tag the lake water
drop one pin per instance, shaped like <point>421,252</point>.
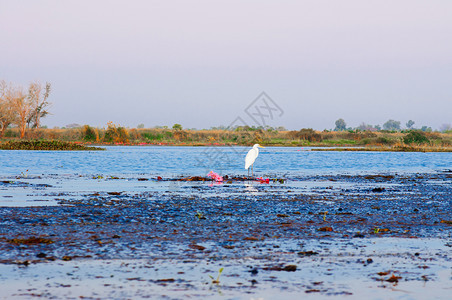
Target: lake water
<point>176,161</point>
<point>102,192</point>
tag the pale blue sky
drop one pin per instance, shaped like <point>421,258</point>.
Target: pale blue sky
<point>200,63</point>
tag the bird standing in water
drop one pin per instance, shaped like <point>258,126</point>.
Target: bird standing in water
<point>251,157</point>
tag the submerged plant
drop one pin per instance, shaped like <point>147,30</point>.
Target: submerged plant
<point>217,281</point>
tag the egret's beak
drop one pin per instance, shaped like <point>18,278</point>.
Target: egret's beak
<point>261,146</point>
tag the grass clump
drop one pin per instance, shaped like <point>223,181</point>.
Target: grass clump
<point>307,134</point>
<point>44,145</point>
<point>416,137</point>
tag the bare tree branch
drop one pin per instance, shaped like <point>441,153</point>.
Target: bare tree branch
<point>7,113</point>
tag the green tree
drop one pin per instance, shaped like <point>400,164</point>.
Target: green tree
<point>391,125</point>
<point>367,127</point>
<point>177,126</point>
<point>409,124</point>
<point>340,125</point>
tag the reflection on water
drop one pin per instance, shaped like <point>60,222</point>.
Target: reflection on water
<point>250,189</point>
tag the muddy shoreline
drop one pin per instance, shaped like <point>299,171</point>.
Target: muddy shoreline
<point>264,235</point>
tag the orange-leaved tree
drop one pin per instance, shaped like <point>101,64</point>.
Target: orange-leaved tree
<point>22,106</point>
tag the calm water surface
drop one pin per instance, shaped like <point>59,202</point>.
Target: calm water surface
<point>175,161</point>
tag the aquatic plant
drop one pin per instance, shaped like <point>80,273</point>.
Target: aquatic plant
<point>395,148</point>
<point>24,175</point>
<point>200,216</point>
<point>280,180</point>
<point>31,241</point>
<point>214,176</point>
<point>44,145</point>
<point>263,180</point>
<point>217,281</point>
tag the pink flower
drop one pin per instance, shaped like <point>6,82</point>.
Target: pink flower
<point>263,180</point>
<point>215,176</point>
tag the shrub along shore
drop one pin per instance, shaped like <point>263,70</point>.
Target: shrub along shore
<point>412,140</point>
<point>44,145</point>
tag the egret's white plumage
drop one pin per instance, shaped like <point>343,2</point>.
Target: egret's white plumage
<point>251,157</point>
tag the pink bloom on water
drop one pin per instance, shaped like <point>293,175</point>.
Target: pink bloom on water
<point>263,180</point>
<point>215,176</point>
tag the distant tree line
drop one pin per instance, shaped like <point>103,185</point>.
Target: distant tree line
<point>23,108</point>
<point>390,125</point>
<point>222,127</point>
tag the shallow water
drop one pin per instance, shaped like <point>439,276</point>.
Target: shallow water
<point>37,177</point>
<point>131,235</point>
<point>340,269</point>
<point>175,161</point>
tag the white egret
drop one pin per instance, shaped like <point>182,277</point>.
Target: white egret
<point>251,157</point>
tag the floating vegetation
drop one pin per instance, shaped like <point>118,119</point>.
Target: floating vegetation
<point>397,148</point>
<point>228,179</point>
<point>45,145</point>
<point>31,241</point>
<point>307,253</point>
<point>325,229</point>
<point>214,176</point>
